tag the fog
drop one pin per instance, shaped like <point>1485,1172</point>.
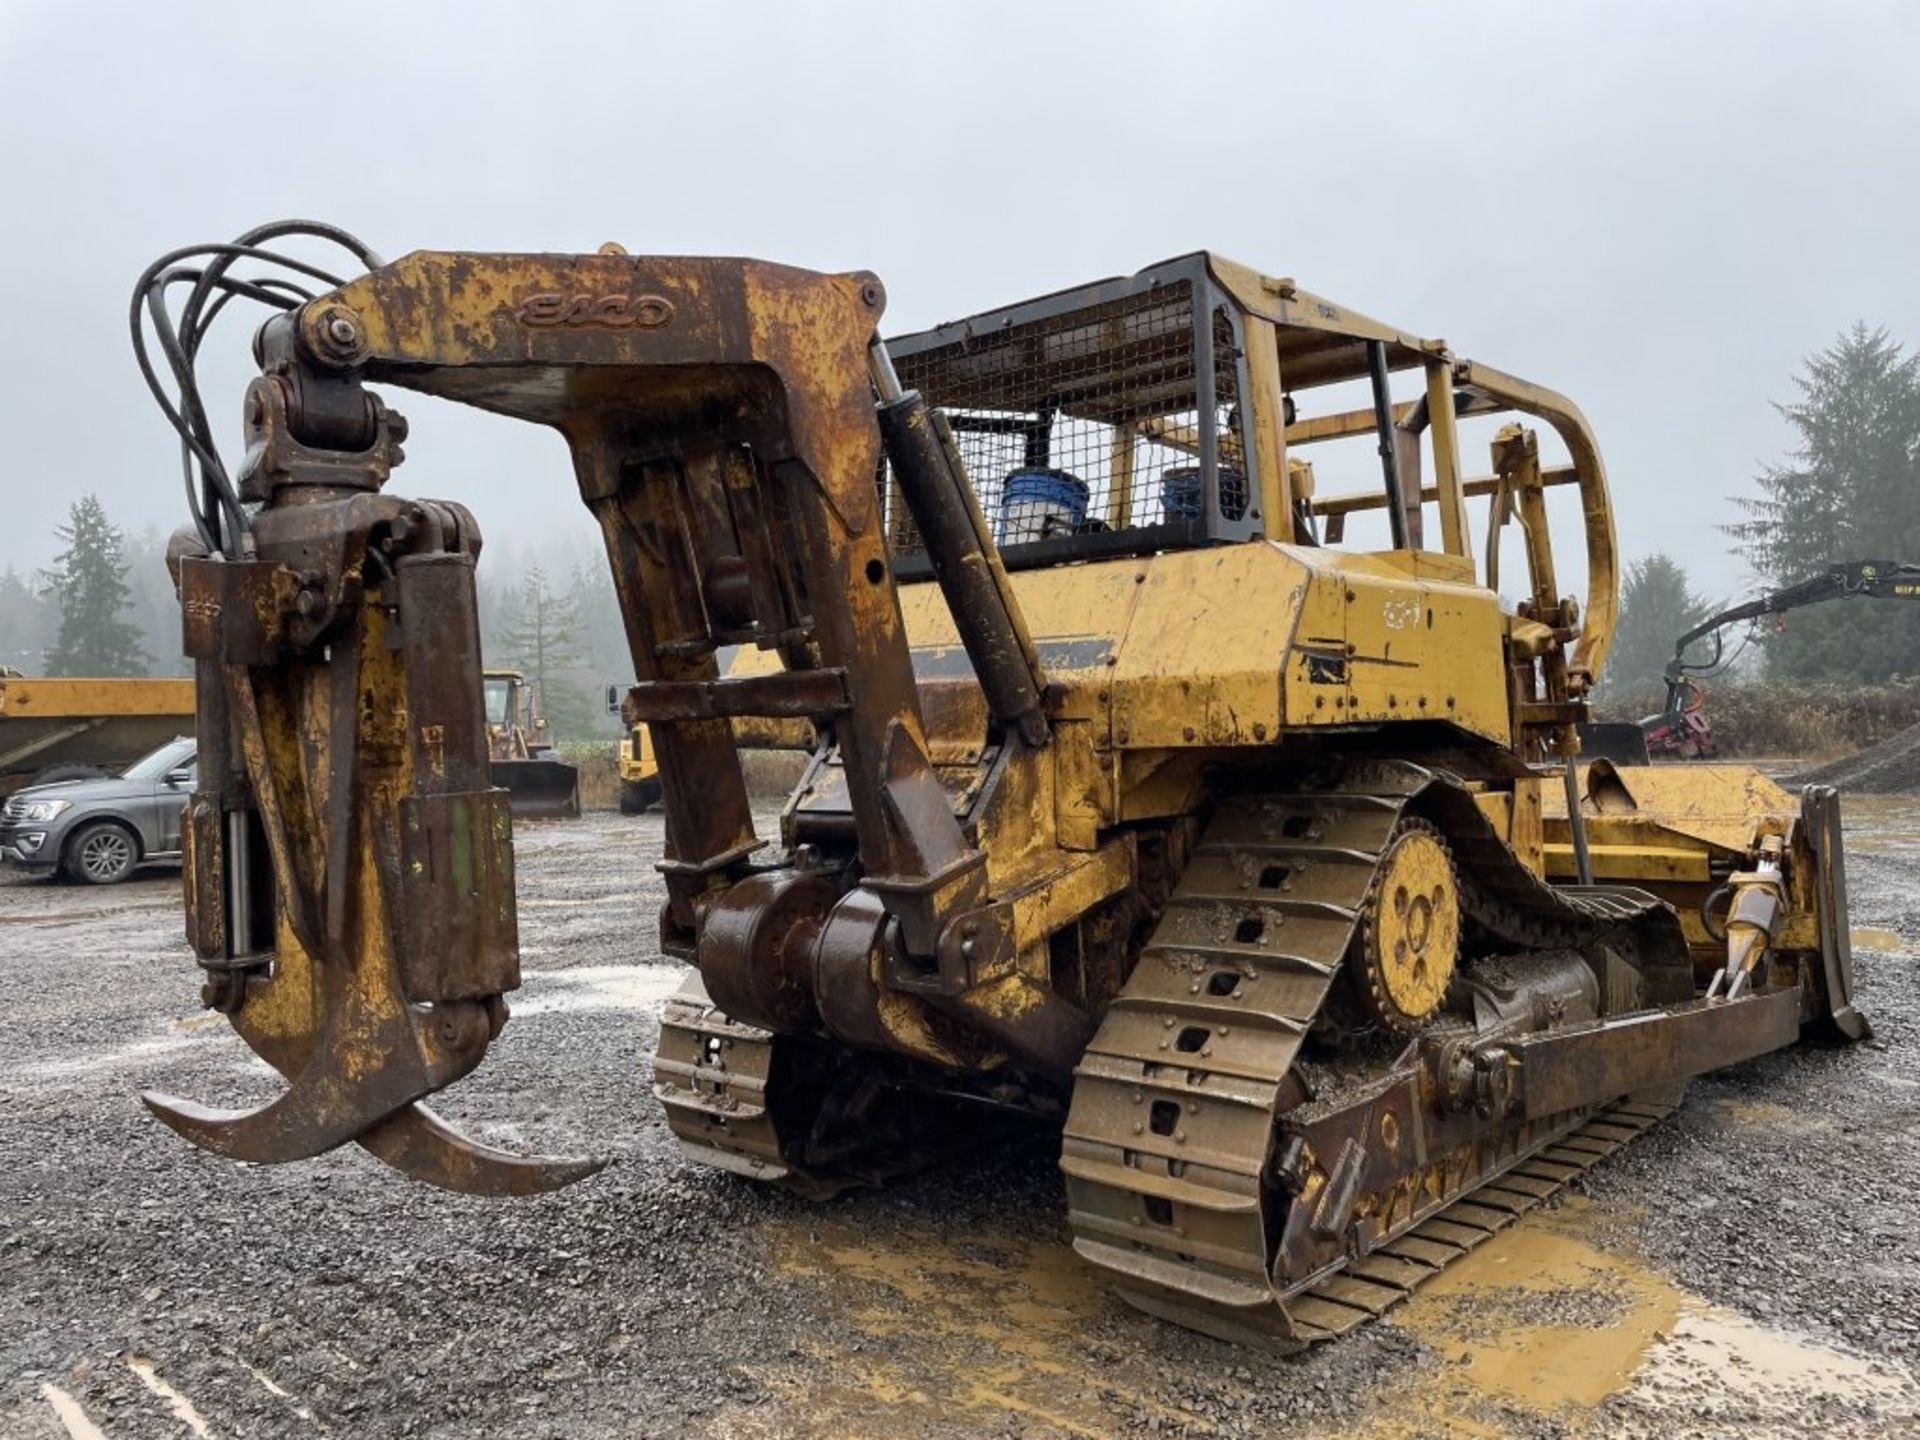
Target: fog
<point>1656,209</point>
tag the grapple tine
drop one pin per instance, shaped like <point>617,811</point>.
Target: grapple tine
<point>377,976</point>
<point>371,1060</point>
<point>301,1123</point>
<point>422,1146</point>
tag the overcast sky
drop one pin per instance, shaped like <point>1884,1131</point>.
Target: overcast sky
<point>1656,208</point>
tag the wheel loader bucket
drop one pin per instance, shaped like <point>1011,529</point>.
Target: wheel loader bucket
<point>541,789</point>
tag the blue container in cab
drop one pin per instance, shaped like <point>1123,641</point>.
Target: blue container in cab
<point>1038,504</point>
<point>1183,493</point>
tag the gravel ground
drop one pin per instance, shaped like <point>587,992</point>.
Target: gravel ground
<point>149,1289</point>
<point>1890,768</point>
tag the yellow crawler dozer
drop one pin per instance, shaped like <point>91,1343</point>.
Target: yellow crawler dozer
<point>1232,824</point>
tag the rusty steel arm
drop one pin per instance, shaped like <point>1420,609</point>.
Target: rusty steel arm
<point>348,867</point>
<point>723,431</point>
<point>966,563</point>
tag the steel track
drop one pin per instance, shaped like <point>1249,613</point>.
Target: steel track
<point>1176,1099</point>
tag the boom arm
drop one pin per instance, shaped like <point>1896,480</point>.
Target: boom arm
<point>1875,579</point>
<point>722,420</point>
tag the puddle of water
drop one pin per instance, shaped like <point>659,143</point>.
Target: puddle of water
<point>1540,1323</point>
<point>1881,824</point>
<point>597,987</point>
<point>1727,1361</point>
<point>994,1331</point>
<point>1890,942</point>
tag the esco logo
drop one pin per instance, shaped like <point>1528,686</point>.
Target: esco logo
<point>639,312</point>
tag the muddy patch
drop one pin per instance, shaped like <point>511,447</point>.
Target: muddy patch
<point>1550,1323</point>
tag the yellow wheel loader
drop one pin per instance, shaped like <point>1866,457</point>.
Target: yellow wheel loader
<point>635,762</point>
<point>523,762</point>
<point>1235,828</point>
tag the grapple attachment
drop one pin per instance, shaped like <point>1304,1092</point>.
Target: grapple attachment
<point>349,866</point>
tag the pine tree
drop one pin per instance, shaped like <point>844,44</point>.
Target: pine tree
<point>608,660</point>
<point>541,637</point>
<point>1851,491</point>
<point>1657,607</point>
<point>155,606</point>
<point>26,625</point>
<point>89,583</point>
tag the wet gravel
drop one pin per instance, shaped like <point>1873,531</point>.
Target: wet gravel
<point>1803,1209</point>
<point>332,1297</point>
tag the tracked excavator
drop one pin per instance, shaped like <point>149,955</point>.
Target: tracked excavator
<point>1256,859</point>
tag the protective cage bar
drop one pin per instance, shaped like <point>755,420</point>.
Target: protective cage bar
<point>1102,420</point>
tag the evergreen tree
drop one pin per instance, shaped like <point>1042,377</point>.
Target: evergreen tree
<point>1850,491</point>
<point>89,583</point>
<point>155,604</point>
<point>608,661</point>
<point>1656,608</point>
<point>26,625</point>
<point>540,635</point>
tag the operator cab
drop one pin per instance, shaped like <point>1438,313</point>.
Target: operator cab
<point>1175,408</point>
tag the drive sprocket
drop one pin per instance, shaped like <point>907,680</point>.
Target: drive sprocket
<point>1409,940</point>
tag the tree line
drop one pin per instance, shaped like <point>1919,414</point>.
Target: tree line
<point>1849,490</point>
<point>106,606</point>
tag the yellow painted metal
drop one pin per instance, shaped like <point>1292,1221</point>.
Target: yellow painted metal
<point>1413,932</point>
<point>1630,858</point>
<point>56,698</point>
<point>637,760</point>
<point>1344,425</point>
<point>1515,815</point>
<point>1414,648</point>
<point>1120,488</point>
<point>1671,828</point>
<point>1285,303</point>
<point>1446,459</point>
<point>1267,417</point>
<point>1722,806</point>
<point>1601,614</point>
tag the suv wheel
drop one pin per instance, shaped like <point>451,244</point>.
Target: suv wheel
<point>100,853</point>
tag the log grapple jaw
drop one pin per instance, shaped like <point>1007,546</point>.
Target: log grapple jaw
<point>349,869</point>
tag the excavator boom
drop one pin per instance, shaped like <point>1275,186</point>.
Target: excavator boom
<point>1682,728</point>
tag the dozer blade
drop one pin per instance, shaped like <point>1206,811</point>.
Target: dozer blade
<point>541,789</point>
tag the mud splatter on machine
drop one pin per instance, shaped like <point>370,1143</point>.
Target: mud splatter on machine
<point>1254,853</point>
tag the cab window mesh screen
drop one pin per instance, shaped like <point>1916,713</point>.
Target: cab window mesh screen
<point>1085,422</point>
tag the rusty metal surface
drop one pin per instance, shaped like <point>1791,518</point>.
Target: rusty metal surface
<point>805,694</point>
<point>1593,1065</point>
<point>698,397</point>
<point>988,882</point>
<point>756,948</point>
<point>1204,1175</point>
<point>1820,807</point>
<point>348,761</point>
